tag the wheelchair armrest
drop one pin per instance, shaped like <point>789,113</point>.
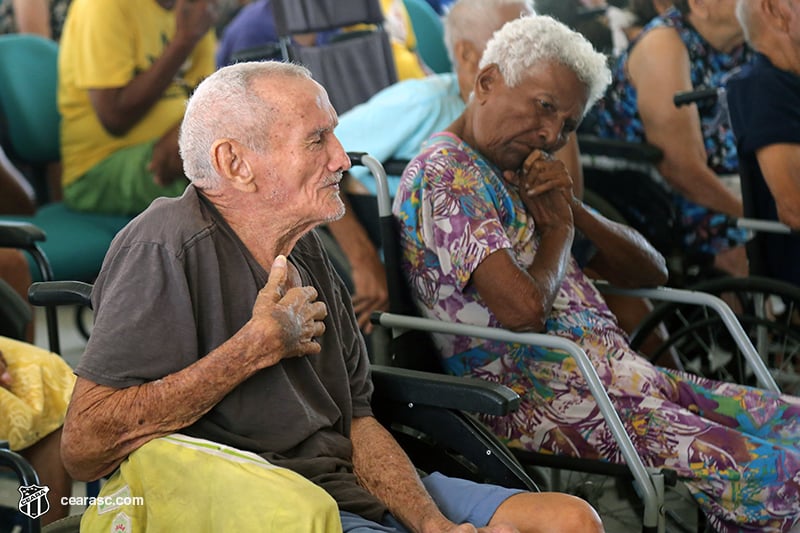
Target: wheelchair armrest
<point>696,297</point>
<point>48,293</point>
<point>645,484</point>
<point>21,467</point>
<point>439,390</point>
<point>26,475</point>
<point>631,151</point>
<point>767,226</point>
<point>19,234</point>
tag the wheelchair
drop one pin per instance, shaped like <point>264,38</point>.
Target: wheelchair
<point>698,342</point>
<point>412,347</point>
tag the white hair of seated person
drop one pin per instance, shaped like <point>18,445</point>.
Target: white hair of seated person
<point>531,40</point>
<point>226,105</point>
<point>477,20</point>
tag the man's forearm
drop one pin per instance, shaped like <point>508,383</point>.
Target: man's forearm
<point>383,468</point>
<point>104,425</point>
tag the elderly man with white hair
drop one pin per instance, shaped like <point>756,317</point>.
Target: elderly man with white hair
<point>488,217</point>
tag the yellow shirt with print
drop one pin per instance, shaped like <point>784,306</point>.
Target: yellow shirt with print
<point>397,23</point>
<point>105,44</point>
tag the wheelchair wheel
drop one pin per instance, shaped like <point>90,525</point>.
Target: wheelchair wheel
<point>769,312</point>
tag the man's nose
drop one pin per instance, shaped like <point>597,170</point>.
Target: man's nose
<point>339,158</point>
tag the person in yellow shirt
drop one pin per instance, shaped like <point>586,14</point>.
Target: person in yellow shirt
<point>126,69</point>
<point>407,60</point>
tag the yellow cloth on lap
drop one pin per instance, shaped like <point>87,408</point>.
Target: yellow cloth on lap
<point>189,484</point>
<point>40,391</point>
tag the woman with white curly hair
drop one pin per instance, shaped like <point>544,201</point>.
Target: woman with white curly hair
<point>487,219</point>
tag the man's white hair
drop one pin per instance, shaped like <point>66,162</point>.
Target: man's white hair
<point>227,105</point>
<point>749,17</point>
<point>476,21</point>
<point>527,41</point>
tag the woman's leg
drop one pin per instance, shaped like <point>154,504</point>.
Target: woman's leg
<point>694,428</point>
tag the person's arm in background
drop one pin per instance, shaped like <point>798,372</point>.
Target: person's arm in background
<point>370,292</point>
<point>780,165</point>
<point>120,109</point>
<point>33,16</point>
<point>659,68</point>
<point>623,256</point>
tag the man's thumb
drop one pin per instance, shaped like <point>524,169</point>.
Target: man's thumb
<point>277,277</point>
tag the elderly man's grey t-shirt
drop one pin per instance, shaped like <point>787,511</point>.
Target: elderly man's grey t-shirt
<point>177,283</point>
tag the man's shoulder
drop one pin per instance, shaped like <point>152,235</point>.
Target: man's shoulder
<point>168,222</point>
<point>764,83</point>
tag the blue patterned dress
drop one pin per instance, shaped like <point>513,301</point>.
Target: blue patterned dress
<point>616,116</point>
<point>58,12</point>
<point>735,447</point>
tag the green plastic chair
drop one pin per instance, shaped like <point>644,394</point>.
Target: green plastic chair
<point>75,243</point>
<point>429,31</point>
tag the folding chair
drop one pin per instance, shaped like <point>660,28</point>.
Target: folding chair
<point>353,65</point>
<point>76,242</point>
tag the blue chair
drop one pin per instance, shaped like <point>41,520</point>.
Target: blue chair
<point>429,31</point>
<point>75,243</point>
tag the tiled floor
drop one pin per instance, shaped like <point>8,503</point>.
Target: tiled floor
<point>614,504</point>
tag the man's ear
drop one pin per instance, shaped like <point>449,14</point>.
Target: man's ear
<point>778,14</point>
<point>228,158</point>
<point>465,54</point>
<point>486,80</point>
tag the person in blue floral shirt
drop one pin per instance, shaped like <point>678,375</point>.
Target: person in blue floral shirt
<point>691,45</point>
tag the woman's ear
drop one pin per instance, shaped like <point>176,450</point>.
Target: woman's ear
<point>486,80</point>
<point>230,162</point>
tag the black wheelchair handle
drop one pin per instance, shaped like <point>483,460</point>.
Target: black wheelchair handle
<point>690,97</point>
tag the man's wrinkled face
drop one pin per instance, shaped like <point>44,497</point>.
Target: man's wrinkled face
<point>793,21</point>
<point>539,113</point>
<point>304,161</point>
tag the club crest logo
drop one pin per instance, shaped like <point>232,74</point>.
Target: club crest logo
<point>33,500</point>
